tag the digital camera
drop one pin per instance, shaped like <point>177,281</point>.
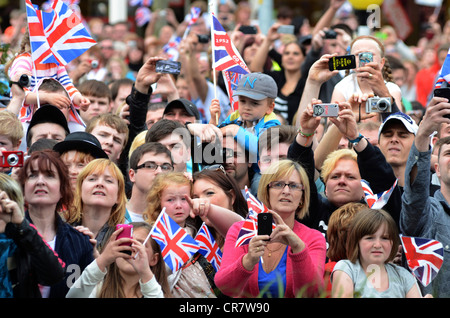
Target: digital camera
<point>378,105</point>
<point>326,110</point>
<point>11,159</point>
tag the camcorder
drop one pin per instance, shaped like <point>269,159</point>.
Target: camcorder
<point>378,105</point>
<point>170,67</point>
<point>326,110</point>
<point>24,81</point>
<point>343,62</point>
<point>11,159</point>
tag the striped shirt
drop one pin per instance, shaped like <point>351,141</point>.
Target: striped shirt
<point>23,63</point>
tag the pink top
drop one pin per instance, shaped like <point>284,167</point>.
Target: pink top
<point>305,268</point>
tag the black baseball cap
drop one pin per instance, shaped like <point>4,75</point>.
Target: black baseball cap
<point>81,141</point>
<point>186,104</point>
<point>48,114</point>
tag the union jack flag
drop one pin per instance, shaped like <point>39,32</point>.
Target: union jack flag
<point>250,226</point>
<point>226,56</point>
<point>61,37</point>
<point>142,16</point>
<point>40,49</point>
<point>171,48</point>
<point>376,201</point>
<point>177,246</point>
<point>209,247</point>
<point>424,257</point>
<point>444,74</point>
<point>231,80</point>
<point>145,3</point>
<point>195,14</point>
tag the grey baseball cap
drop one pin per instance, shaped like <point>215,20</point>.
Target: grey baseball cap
<point>257,86</point>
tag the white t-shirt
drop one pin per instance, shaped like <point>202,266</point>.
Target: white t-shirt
<point>349,86</point>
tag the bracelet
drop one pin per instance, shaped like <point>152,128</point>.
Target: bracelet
<point>356,140</point>
<point>299,131</point>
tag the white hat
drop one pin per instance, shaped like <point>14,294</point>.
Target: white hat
<point>407,121</point>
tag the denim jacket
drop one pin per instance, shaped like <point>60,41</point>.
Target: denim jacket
<point>426,216</point>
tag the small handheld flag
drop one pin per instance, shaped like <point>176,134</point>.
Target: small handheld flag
<point>424,257</point>
<point>209,247</point>
<point>177,246</point>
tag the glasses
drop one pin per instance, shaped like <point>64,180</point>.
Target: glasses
<point>215,167</point>
<point>279,185</point>
<point>150,165</point>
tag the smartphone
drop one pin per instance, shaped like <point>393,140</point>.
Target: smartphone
<point>326,110</point>
<point>286,29</point>
<point>364,58</point>
<point>343,62</point>
<point>248,29</point>
<point>265,221</point>
<point>443,92</point>
<point>170,67</point>
<point>127,232</point>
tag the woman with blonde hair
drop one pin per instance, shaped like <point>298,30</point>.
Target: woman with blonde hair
<point>288,263</point>
<point>372,78</point>
<point>100,200</point>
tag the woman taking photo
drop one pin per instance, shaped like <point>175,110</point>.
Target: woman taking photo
<point>46,188</point>
<point>288,261</point>
<point>370,78</point>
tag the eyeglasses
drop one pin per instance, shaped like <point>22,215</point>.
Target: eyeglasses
<point>150,165</point>
<point>279,185</point>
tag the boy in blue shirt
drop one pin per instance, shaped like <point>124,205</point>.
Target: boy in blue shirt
<point>256,93</point>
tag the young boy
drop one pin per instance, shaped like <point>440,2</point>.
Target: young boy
<point>111,131</point>
<point>100,97</point>
<point>257,93</point>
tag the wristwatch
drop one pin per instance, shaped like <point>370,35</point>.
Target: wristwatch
<point>356,141</point>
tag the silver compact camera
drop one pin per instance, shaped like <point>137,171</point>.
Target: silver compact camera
<point>378,105</point>
<point>326,110</point>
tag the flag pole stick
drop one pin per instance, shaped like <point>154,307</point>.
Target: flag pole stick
<point>211,9</point>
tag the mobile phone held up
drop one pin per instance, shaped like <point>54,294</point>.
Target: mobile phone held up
<point>248,29</point>
<point>443,92</point>
<point>127,232</point>
<point>170,67</point>
<point>343,62</point>
<point>265,221</point>
<point>326,110</point>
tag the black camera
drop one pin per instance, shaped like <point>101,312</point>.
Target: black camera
<point>330,34</point>
<point>203,38</point>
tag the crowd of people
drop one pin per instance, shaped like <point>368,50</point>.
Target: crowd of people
<point>107,140</point>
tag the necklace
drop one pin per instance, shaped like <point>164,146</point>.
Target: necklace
<point>272,251</point>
